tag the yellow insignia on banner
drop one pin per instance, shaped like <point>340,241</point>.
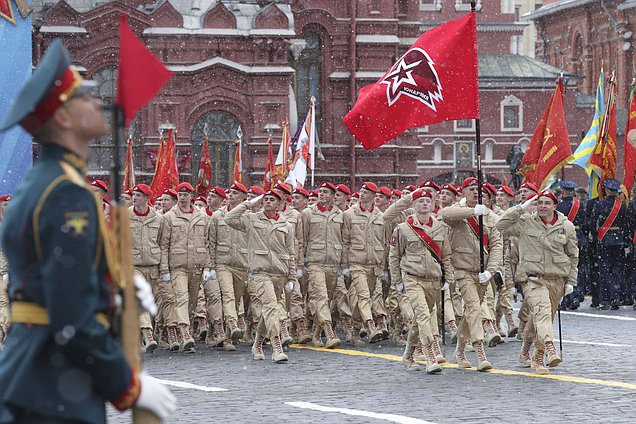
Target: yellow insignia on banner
<point>75,223</point>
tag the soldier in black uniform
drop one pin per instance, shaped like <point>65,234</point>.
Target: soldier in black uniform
<point>630,254</point>
<point>61,363</point>
<point>608,224</point>
<point>574,210</point>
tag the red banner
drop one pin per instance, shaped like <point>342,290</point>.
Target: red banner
<point>603,159</point>
<point>269,167</point>
<point>129,168</point>
<point>204,176</point>
<point>630,140</point>
<point>166,173</point>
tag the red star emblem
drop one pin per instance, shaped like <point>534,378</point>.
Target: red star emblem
<point>6,11</point>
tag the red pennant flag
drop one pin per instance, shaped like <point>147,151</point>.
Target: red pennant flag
<point>434,81</point>
<point>269,167</point>
<point>204,176</point>
<point>549,148</point>
<point>630,140</point>
<point>603,159</point>
<point>166,174</point>
<point>129,169</point>
<point>237,173</point>
<point>141,74</point>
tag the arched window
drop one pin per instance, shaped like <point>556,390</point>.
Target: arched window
<point>221,128</point>
<point>511,113</point>
<point>308,75</point>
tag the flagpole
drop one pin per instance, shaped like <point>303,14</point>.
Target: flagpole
<point>473,8</point>
<point>312,138</point>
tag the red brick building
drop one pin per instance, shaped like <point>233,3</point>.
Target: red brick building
<point>256,63</point>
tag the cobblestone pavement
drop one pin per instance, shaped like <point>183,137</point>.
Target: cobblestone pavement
<point>595,383</point>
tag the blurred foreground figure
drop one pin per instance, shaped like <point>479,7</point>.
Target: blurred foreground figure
<point>61,363</point>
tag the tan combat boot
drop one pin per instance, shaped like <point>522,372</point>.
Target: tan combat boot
<point>186,338</point>
<point>218,333</point>
<point>228,344</point>
<point>285,338</point>
<point>383,327</point>
<point>241,323</point>
<point>303,333</point>
<point>512,327</point>
<point>148,343</point>
<point>483,364</point>
<point>316,339</point>
<point>419,353</point>
<point>332,340</point>
<point>439,357</point>
<point>524,355</point>
<point>452,327</point>
<point>173,340</point>
<point>522,326</point>
<point>432,367</point>
<point>493,338</point>
<point>257,349</point>
<point>202,328</point>
<point>460,355</point>
<point>553,356</point>
<point>347,326</point>
<point>278,355</point>
<point>498,325</point>
<point>407,359</point>
<point>355,339</point>
<point>397,334</point>
<point>162,331</point>
<point>537,363</point>
<point>234,330</point>
<point>248,334</point>
<point>375,334</point>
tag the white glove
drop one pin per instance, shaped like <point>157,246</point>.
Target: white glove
<point>300,272</point>
<point>256,199</point>
<point>400,287</point>
<point>166,277</point>
<point>5,278</point>
<point>569,288</point>
<point>145,298</point>
<point>345,272</point>
<point>209,274</point>
<point>526,205</point>
<point>484,277</point>
<point>480,210</point>
<point>384,277</point>
<point>289,286</point>
<point>155,397</point>
<point>445,286</point>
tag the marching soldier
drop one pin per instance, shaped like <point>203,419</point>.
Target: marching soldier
<point>214,200</point>
<point>184,254</point>
<point>464,235</point>
<point>505,196</point>
<point>418,248</point>
<point>341,296</point>
<point>549,257</point>
<point>300,196</point>
<point>271,263</point>
<point>60,362</point>
<point>168,199</point>
<point>382,199</point>
<point>433,189</point>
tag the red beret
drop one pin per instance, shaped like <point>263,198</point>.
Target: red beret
<point>386,191</point>
<point>219,191</point>
<point>274,193</point>
<point>328,185</point>
<point>356,195</point>
<point>238,187</point>
<point>468,182</point>
<point>314,193</point>
<point>284,187</point>
<point>185,187</point>
<point>420,193</point>
<point>370,186</point>
<point>105,199</point>
<point>345,189</point>
<point>507,190</point>
<point>201,198</point>
<point>428,183</point>
<point>129,191</point>
<point>397,192</point>
<point>143,189</point>
<point>171,192</point>
<point>548,193</point>
<point>258,190</point>
<point>5,198</point>
<point>489,188</point>
<point>300,190</point>
<point>530,186</point>
<point>451,188</point>
<point>100,184</point>
<point>410,187</point>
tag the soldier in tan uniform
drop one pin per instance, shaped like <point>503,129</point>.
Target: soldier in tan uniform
<point>548,254</point>
<point>4,281</point>
<point>228,255</point>
<point>184,254</point>
<point>271,263</point>
<point>418,248</point>
<point>300,196</point>
<point>365,251</point>
<point>341,295</point>
<point>453,310</point>
<point>168,199</point>
<point>322,242</point>
<point>464,236</point>
<point>146,226</point>
<point>505,196</point>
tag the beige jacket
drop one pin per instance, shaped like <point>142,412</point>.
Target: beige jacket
<point>146,234</point>
<point>408,254</point>
<point>270,244</point>
<point>465,244</point>
<point>228,246</point>
<point>184,240</point>
<point>322,236</point>
<point>365,238</point>
<point>544,251</point>
<point>293,217</point>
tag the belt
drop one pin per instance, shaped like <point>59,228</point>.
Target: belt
<point>614,228</point>
<point>576,227</point>
<point>32,313</point>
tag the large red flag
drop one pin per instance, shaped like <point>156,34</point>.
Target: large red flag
<point>603,158</point>
<point>141,74</point>
<point>166,175</point>
<point>630,139</point>
<point>129,171</point>
<point>269,167</point>
<point>549,148</point>
<point>434,81</point>
<point>237,173</point>
<point>204,176</point>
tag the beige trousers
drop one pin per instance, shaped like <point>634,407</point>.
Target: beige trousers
<point>470,328</point>
<point>423,296</point>
<point>544,296</point>
<point>186,286</point>
<point>268,289</point>
<point>232,285</point>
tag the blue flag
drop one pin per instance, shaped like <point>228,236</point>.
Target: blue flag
<point>16,153</point>
<point>585,149</point>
